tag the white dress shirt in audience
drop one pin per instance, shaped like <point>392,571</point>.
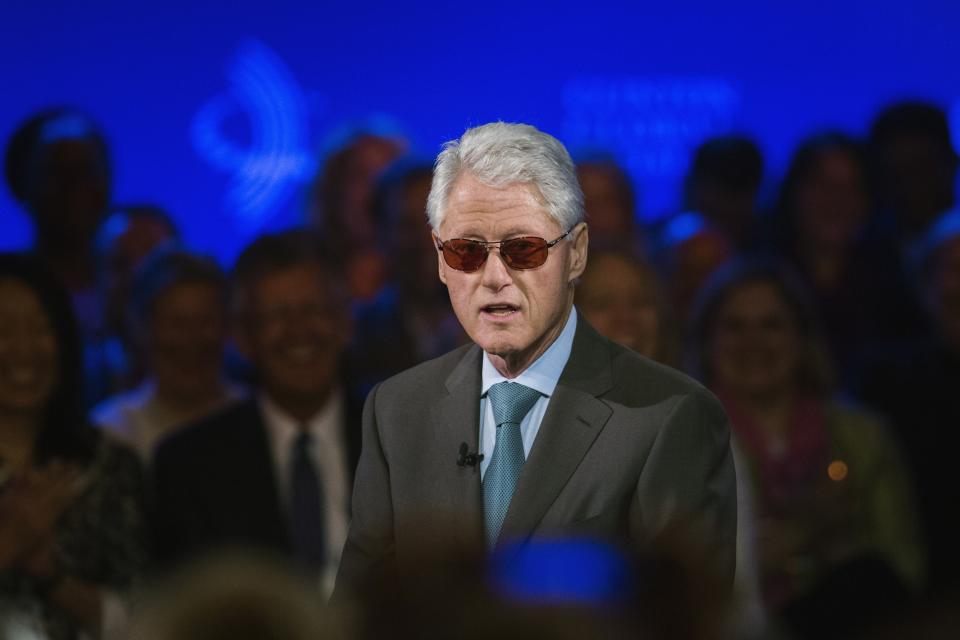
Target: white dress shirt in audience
<point>328,454</point>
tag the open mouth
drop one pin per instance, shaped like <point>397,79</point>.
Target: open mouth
<point>502,310</point>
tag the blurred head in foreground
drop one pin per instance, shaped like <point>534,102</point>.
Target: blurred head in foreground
<point>234,597</point>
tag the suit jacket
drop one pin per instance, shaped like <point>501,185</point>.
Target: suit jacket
<point>214,485</point>
<point>628,449</point>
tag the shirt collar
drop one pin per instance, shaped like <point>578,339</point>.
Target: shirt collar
<point>545,371</point>
<point>283,428</point>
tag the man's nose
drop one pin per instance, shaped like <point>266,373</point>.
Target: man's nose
<point>496,275</point>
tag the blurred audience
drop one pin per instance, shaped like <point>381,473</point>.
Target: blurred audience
<point>823,227</point>
<point>72,534</point>
<point>127,236</point>
<point>410,320</point>
<point>837,533</point>
<point>917,386</point>
<point>125,239</point>
<point>563,588</point>
<point>610,203</point>
<point>690,249</point>
<point>109,304</point>
<point>916,166</point>
<point>621,297</point>
<point>235,597</point>
<point>178,318</point>
<point>341,208</point>
<point>723,186</point>
<point>273,472</point>
<point>58,168</point>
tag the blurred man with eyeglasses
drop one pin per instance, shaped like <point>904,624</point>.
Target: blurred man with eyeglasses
<point>541,427</point>
<point>273,473</point>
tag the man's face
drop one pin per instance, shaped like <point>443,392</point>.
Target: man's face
<point>611,215</point>
<point>70,191</point>
<point>185,339</point>
<point>294,333</point>
<point>28,350</point>
<point>512,315</point>
<point>755,348</point>
<point>833,203</point>
<point>122,257</point>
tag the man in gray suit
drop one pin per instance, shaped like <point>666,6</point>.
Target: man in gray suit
<point>541,427</point>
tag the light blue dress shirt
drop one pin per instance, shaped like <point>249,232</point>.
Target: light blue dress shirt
<point>542,375</point>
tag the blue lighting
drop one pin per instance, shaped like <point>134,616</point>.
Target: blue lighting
<point>682,227</point>
<point>955,126</point>
<point>211,111</point>
<point>561,572</point>
<point>263,175</point>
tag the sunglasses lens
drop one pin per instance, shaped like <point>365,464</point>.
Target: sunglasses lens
<point>528,252</point>
<point>464,255</point>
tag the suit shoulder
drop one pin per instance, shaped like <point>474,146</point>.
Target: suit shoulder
<point>432,371</point>
<point>216,431</point>
<point>635,374</point>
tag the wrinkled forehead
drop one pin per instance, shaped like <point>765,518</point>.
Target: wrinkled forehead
<point>476,204</point>
<point>294,284</point>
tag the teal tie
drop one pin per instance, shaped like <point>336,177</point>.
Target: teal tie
<point>510,402</point>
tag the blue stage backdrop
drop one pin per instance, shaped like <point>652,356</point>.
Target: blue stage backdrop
<point>220,111</point>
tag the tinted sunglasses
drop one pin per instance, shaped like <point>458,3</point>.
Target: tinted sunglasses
<point>525,252</point>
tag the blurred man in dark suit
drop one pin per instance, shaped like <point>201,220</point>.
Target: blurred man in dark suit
<point>273,472</point>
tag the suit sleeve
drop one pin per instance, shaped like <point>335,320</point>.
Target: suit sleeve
<point>688,483</point>
<point>369,550</point>
<point>171,508</point>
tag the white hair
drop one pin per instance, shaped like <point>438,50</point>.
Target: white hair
<point>499,154</point>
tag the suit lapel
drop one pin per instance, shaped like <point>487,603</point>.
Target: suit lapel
<point>456,419</point>
<point>258,496</point>
<point>573,420</point>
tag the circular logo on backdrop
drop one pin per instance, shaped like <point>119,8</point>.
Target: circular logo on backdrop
<point>273,160</point>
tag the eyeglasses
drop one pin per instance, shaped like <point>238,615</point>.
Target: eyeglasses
<point>525,252</point>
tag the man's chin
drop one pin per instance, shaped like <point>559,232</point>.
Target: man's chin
<point>499,347</point>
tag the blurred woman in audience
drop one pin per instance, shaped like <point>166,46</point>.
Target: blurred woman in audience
<point>622,298</point>
<point>71,525</point>
<point>179,322</point>
<point>410,320</point>
<point>610,203</point>
<point>823,226</point>
<point>125,239</point>
<point>341,211</point>
<point>689,249</point>
<point>834,505</point>
<point>723,185</point>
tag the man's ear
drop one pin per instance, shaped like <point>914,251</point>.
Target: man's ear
<point>578,250</point>
<point>441,265</point>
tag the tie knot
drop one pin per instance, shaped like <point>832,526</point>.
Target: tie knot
<point>511,401</point>
<point>302,444</point>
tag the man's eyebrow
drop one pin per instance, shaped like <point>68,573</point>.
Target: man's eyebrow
<point>511,232</point>
<point>516,232</point>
